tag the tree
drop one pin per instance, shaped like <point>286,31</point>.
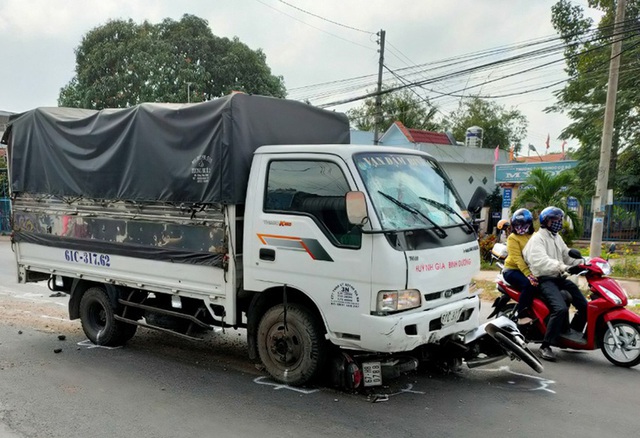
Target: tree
<point>502,127</point>
<point>121,63</point>
<point>587,56</point>
<point>542,189</point>
<point>404,106</point>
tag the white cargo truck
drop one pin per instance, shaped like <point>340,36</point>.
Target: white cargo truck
<point>244,212</point>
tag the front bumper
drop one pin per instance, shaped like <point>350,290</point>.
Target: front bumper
<point>405,332</point>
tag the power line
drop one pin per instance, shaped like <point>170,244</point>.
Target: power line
<point>363,82</point>
<point>326,19</point>
<point>546,51</point>
<point>315,27</point>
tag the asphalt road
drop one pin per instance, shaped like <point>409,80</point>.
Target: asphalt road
<point>160,386</point>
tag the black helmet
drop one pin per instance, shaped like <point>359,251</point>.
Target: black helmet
<point>550,213</point>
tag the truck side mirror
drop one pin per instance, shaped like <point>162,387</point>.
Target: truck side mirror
<point>477,202</point>
<point>356,208</point>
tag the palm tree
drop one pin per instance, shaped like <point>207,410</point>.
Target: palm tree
<point>542,189</point>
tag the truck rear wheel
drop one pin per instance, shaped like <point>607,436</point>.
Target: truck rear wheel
<point>292,351</point>
<point>98,322</point>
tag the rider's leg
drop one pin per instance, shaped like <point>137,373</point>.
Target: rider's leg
<point>558,310</point>
<point>518,280</point>
<point>579,302</point>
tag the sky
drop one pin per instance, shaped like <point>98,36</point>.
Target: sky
<point>326,50</point>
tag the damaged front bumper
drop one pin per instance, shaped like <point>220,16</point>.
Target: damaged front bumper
<point>406,332</point>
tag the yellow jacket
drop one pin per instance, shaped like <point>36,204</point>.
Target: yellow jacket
<point>515,260</point>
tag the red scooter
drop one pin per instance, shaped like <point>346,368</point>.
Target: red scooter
<point>610,326</point>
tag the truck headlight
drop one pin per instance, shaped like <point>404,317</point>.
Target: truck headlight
<point>396,300</point>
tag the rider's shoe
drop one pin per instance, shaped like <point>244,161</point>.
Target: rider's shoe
<point>524,321</point>
<point>547,354</point>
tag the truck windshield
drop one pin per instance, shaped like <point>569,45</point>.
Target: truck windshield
<point>396,179</point>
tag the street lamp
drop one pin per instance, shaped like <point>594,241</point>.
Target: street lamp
<point>189,92</point>
<point>533,148</point>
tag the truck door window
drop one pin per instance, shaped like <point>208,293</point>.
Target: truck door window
<point>316,189</point>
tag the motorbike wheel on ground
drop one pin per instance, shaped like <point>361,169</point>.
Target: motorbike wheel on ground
<point>512,347</point>
<point>627,353</point>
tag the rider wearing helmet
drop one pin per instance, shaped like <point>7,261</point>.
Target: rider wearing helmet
<point>516,271</point>
<point>548,258</point>
<point>504,229</point>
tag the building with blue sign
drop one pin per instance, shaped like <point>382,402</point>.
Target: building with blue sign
<point>511,175</point>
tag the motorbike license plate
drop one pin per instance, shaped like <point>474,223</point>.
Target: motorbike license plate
<point>450,317</point>
<point>372,373</point>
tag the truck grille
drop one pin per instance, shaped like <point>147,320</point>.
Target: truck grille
<point>443,293</point>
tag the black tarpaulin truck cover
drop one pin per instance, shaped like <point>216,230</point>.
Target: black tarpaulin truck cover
<point>179,153</point>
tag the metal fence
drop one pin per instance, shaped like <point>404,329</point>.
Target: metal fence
<point>621,222</point>
<point>5,203</point>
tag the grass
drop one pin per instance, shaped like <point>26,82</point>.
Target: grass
<point>487,266</point>
<point>625,260</point>
<point>489,291</point>
<point>627,267</point>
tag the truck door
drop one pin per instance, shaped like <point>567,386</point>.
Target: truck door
<point>300,236</point>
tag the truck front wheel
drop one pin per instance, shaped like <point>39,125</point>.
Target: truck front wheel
<point>98,322</point>
<point>292,345</point>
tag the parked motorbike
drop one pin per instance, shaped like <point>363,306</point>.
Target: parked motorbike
<point>610,326</point>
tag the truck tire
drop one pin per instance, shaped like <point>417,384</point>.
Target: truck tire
<point>98,322</point>
<point>294,353</point>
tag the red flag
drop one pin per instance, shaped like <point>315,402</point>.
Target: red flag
<point>547,142</point>
<point>496,155</point>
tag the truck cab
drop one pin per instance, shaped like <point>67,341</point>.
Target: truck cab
<point>394,280</point>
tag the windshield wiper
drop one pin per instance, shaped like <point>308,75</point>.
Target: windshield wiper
<point>440,232</point>
<point>448,209</point>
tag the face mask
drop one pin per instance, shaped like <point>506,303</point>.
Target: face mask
<point>555,226</point>
<point>521,229</point>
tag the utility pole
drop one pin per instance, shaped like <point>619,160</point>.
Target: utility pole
<point>378,108</point>
<point>189,92</point>
<point>598,206</point>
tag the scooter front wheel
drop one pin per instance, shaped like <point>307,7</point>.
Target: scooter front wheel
<point>620,343</point>
<point>520,352</point>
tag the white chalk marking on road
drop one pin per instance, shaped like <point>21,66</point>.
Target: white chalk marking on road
<point>89,345</point>
<point>544,383</point>
<point>57,318</point>
<point>264,381</point>
<point>376,398</point>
